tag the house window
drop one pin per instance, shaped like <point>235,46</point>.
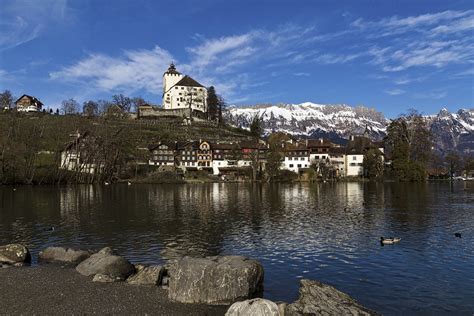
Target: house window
<point>291,165</point>
<point>353,164</point>
<point>299,165</point>
<point>354,158</point>
<point>316,157</point>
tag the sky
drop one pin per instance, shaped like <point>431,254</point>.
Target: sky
<point>390,55</point>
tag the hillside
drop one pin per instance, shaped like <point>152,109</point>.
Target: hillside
<point>337,122</point>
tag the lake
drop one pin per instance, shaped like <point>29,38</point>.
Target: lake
<point>327,231</point>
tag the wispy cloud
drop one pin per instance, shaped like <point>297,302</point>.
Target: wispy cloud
<point>134,70</point>
<point>301,74</point>
<point>394,91</point>
<point>434,95</point>
<point>24,20</point>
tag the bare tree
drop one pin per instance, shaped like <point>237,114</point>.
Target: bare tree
<point>6,99</point>
<point>69,107</point>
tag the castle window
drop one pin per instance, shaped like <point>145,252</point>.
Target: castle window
<point>176,87</point>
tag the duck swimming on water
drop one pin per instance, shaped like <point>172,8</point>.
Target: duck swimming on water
<point>389,241</point>
<point>458,235</point>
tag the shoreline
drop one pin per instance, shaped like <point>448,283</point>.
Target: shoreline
<point>57,289</point>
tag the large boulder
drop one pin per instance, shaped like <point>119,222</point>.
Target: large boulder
<point>254,307</point>
<point>317,298</point>
<point>107,264</point>
<point>64,255</point>
<point>14,255</point>
<point>146,275</point>
<point>215,280</point>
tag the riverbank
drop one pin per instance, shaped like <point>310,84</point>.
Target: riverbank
<point>52,289</point>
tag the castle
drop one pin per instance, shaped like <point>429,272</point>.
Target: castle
<point>182,92</point>
<point>182,97</point>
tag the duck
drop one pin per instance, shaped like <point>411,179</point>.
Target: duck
<point>129,183</point>
<point>389,241</point>
<point>106,183</point>
<point>50,229</point>
<point>458,235</point>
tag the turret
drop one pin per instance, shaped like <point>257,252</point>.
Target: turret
<point>171,77</point>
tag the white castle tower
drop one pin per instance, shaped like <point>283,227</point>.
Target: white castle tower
<point>170,78</point>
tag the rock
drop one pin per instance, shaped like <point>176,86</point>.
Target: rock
<point>61,254</point>
<point>215,280</point>
<point>106,278</point>
<point>14,255</point>
<point>254,307</point>
<point>317,298</point>
<point>107,251</point>
<point>106,264</point>
<point>146,276</point>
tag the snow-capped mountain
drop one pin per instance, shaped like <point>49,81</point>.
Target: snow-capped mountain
<point>453,130</point>
<point>337,122</point>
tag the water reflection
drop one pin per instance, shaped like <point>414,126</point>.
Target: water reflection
<point>323,231</point>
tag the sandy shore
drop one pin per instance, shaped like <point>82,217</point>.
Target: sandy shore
<point>52,289</point>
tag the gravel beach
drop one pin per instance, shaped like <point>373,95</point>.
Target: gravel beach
<point>52,289</point>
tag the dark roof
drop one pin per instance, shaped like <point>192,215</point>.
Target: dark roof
<point>321,142</point>
<point>295,147</point>
<point>358,145</point>
<point>187,81</point>
<point>337,150</point>
<point>170,144</point>
<point>33,99</point>
<point>172,70</point>
<point>251,145</point>
<point>224,146</point>
<point>182,145</point>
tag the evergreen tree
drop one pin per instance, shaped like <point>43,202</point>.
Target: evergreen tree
<point>212,104</point>
<point>256,129</point>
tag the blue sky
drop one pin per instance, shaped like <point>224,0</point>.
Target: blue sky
<point>391,55</point>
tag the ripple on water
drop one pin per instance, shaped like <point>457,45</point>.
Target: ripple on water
<point>327,232</point>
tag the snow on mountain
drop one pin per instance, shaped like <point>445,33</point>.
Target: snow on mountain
<point>337,122</point>
<point>311,119</point>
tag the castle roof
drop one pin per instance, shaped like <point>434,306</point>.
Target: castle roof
<point>187,81</point>
<point>172,70</point>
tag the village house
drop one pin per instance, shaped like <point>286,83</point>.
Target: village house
<point>355,151</point>
<point>187,155</point>
<point>296,156</point>
<point>27,103</point>
<point>318,149</point>
<point>204,155</point>
<point>80,155</point>
<point>162,154</point>
<point>223,156</point>
<point>337,156</point>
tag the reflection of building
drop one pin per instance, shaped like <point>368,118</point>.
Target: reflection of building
<point>27,103</point>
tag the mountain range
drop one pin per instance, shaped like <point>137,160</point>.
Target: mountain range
<point>451,131</point>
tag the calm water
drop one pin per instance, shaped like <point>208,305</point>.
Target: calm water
<point>328,232</point>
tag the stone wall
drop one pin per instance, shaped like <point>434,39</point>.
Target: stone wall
<point>151,112</point>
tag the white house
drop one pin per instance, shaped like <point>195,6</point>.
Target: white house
<point>27,103</point>
<point>355,151</point>
<point>80,155</point>
<point>182,92</point>
<point>296,157</point>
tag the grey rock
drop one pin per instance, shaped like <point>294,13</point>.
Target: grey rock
<point>15,255</point>
<point>106,264</point>
<point>254,307</point>
<point>104,278</point>
<point>146,275</point>
<point>215,280</point>
<point>65,255</point>
<point>317,298</point>
<point>107,251</point>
